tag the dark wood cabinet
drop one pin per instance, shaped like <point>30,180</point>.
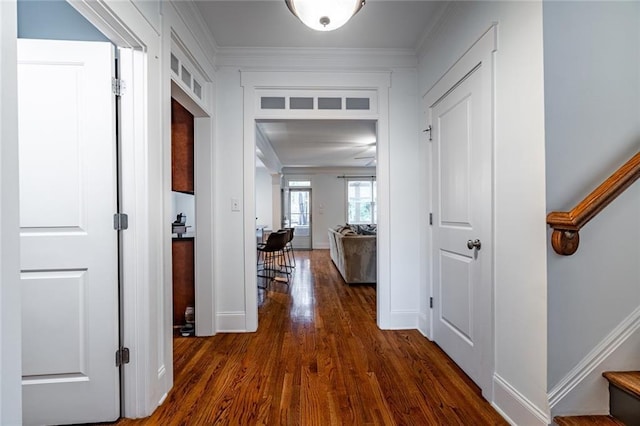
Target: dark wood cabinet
<point>183,278</point>
<point>182,153</point>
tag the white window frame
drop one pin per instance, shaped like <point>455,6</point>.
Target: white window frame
<point>373,201</point>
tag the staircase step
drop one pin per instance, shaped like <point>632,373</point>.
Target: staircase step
<point>586,421</point>
<point>628,381</point>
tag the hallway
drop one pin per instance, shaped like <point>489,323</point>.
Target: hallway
<point>318,358</point>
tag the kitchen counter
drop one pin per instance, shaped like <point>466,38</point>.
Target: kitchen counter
<point>185,236</point>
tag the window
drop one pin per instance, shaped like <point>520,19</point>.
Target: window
<point>361,201</point>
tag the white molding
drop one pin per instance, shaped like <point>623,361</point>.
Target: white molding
<point>521,411</point>
<point>252,82</point>
<point>424,325</point>
<point>146,332</point>
<point>317,59</point>
<point>181,36</point>
<point>231,322</point>
<point>202,37</point>
<point>615,339</point>
<point>433,27</point>
<point>10,305</point>
<point>479,56</point>
<point>403,320</point>
<point>269,157</point>
<point>356,171</point>
<point>321,246</point>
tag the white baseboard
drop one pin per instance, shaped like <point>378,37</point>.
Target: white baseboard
<point>402,320</point>
<point>424,325</point>
<point>231,322</point>
<point>321,246</point>
<point>514,407</point>
<point>583,390</point>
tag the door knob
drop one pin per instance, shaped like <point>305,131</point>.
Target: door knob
<point>474,244</point>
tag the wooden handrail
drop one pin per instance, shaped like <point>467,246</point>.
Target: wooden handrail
<point>566,225</point>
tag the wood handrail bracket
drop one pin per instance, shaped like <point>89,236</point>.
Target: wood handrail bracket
<point>566,225</point>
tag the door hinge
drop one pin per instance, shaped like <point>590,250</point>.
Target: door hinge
<point>428,129</point>
<point>431,302</point>
<point>430,218</point>
<point>122,356</point>
<point>117,86</point>
<point>120,221</point>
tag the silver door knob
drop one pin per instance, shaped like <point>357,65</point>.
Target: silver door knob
<point>474,244</point>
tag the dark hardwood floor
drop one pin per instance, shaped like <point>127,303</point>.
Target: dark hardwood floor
<point>318,358</point>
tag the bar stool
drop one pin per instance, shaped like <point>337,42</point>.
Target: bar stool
<point>271,252</point>
<point>289,248</point>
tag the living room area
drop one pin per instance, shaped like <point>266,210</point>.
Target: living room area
<point>318,178</point>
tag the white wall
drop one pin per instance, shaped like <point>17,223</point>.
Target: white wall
<point>403,240</point>
<point>328,204</point>
<point>10,317</point>
<point>229,248</point>
<point>405,135</point>
<point>185,204</point>
<point>592,104</point>
<point>519,191</point>
<point>264,198</point>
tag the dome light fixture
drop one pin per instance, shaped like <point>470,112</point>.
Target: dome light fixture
<point>324,15</point>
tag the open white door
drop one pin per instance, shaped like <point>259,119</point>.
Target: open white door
<point>460,111</point>
<point>69,260</point>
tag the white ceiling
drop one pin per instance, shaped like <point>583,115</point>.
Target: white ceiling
<point>322,143</point>
<point>391,24</point>
<point>381,24</point>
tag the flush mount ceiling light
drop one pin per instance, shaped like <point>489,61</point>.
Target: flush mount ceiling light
<point>324,15</point>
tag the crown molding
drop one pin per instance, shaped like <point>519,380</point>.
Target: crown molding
<point>356,171</point>
<point>316,58</point>
<point>433,25</point>
<point>444,14</point>
<point>188,12</point>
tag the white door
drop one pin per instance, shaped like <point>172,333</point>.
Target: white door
<point>462,199</point>
<point>69,263</point>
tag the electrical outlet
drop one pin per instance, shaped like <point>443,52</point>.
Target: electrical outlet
<point>235,205</point>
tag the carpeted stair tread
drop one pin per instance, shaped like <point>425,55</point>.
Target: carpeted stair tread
<point>628,381</point>
<point>587,420</point>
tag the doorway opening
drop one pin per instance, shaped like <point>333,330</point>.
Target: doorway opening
<point>322,177</point>
<point>297,215</point>
<point>191,212</point>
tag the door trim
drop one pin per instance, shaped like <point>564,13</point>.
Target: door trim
<point>380,82</point>
<point>481,53</point>
<point>149,375</point>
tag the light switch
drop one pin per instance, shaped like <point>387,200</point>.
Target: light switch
<point>235,205</point>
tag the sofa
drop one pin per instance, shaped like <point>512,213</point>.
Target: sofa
<point>353,254</point>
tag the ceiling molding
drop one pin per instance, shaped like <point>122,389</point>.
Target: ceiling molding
<point>192,18</point>
<point>316,58</point>
<point>431,33</point>
<point>354,171</point>
<point>266,153</point>
<point>433,26</point>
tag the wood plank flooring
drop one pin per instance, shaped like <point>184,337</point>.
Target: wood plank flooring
<point>318,358</point>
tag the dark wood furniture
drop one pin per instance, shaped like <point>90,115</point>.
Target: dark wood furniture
<point>181,149</point>
<point>183,278</point>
